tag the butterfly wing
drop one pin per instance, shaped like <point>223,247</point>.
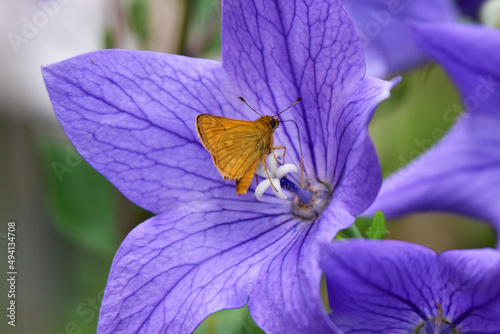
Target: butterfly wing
<point>239,151</point>
<point>243,183</point>
<point>236,147</point>
<point>210,128</point>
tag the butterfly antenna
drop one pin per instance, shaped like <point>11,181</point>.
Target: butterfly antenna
<point>302,176</point>
<point>242,99</point>
<point>291,105</point>
<point>298,134</point>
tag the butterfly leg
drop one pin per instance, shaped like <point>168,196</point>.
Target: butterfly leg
<point>278,148</point>
<point>268,177</point>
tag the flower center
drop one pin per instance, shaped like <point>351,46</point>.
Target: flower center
<point>437,325</point>
<point>310,202</point>
<point>307,204</point>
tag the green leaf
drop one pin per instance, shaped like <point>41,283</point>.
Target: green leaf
<point>377,229</point>
<point>80,201</point>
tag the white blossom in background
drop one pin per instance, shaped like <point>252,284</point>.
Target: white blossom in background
<point>490,13</point>
<point>37,33</point>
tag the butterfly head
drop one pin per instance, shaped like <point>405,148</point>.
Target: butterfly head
<point>273,123</point>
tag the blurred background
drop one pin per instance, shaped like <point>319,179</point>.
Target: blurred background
<point>70,220</point>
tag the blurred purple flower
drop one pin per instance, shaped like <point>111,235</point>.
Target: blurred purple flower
<point>131,115</point>
<point>461,173</point>
<point>398,287</point>
<point>470,7</point>
<point>384,34</point>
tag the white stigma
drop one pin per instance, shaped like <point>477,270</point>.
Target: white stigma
<point>275,175</point>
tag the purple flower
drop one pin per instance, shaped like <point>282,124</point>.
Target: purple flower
<point>398,287</point>
<point>470,7</point>
<point>461,173</point>
<point>131,115</point>
<point>384,34</point>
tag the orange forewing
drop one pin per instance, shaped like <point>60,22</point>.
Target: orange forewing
<point>237,146</point>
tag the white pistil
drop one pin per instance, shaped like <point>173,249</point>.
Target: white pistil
<point>275,174</point>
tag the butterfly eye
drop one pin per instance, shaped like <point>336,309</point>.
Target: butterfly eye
<point>273,123</point>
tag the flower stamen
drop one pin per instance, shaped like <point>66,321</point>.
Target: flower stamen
<point>273,175</point>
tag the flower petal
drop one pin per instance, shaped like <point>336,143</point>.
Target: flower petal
<point>360,176</point>
<point>177,268</point>
<point>131,115</point>
<point>393,287</point>
<point>384,34</point>
<point>471,289</point>
<point>475,70</point>
<point>287,298</point>
<point>379,286</point>
<point>461,173</point>
<point>280,50</point>
<point>470,7</point>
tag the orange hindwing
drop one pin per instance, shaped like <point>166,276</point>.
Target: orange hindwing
<point>236,146</point>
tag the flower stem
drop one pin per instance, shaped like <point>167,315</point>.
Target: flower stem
<point>352,232</point>
<point>184,31</point>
